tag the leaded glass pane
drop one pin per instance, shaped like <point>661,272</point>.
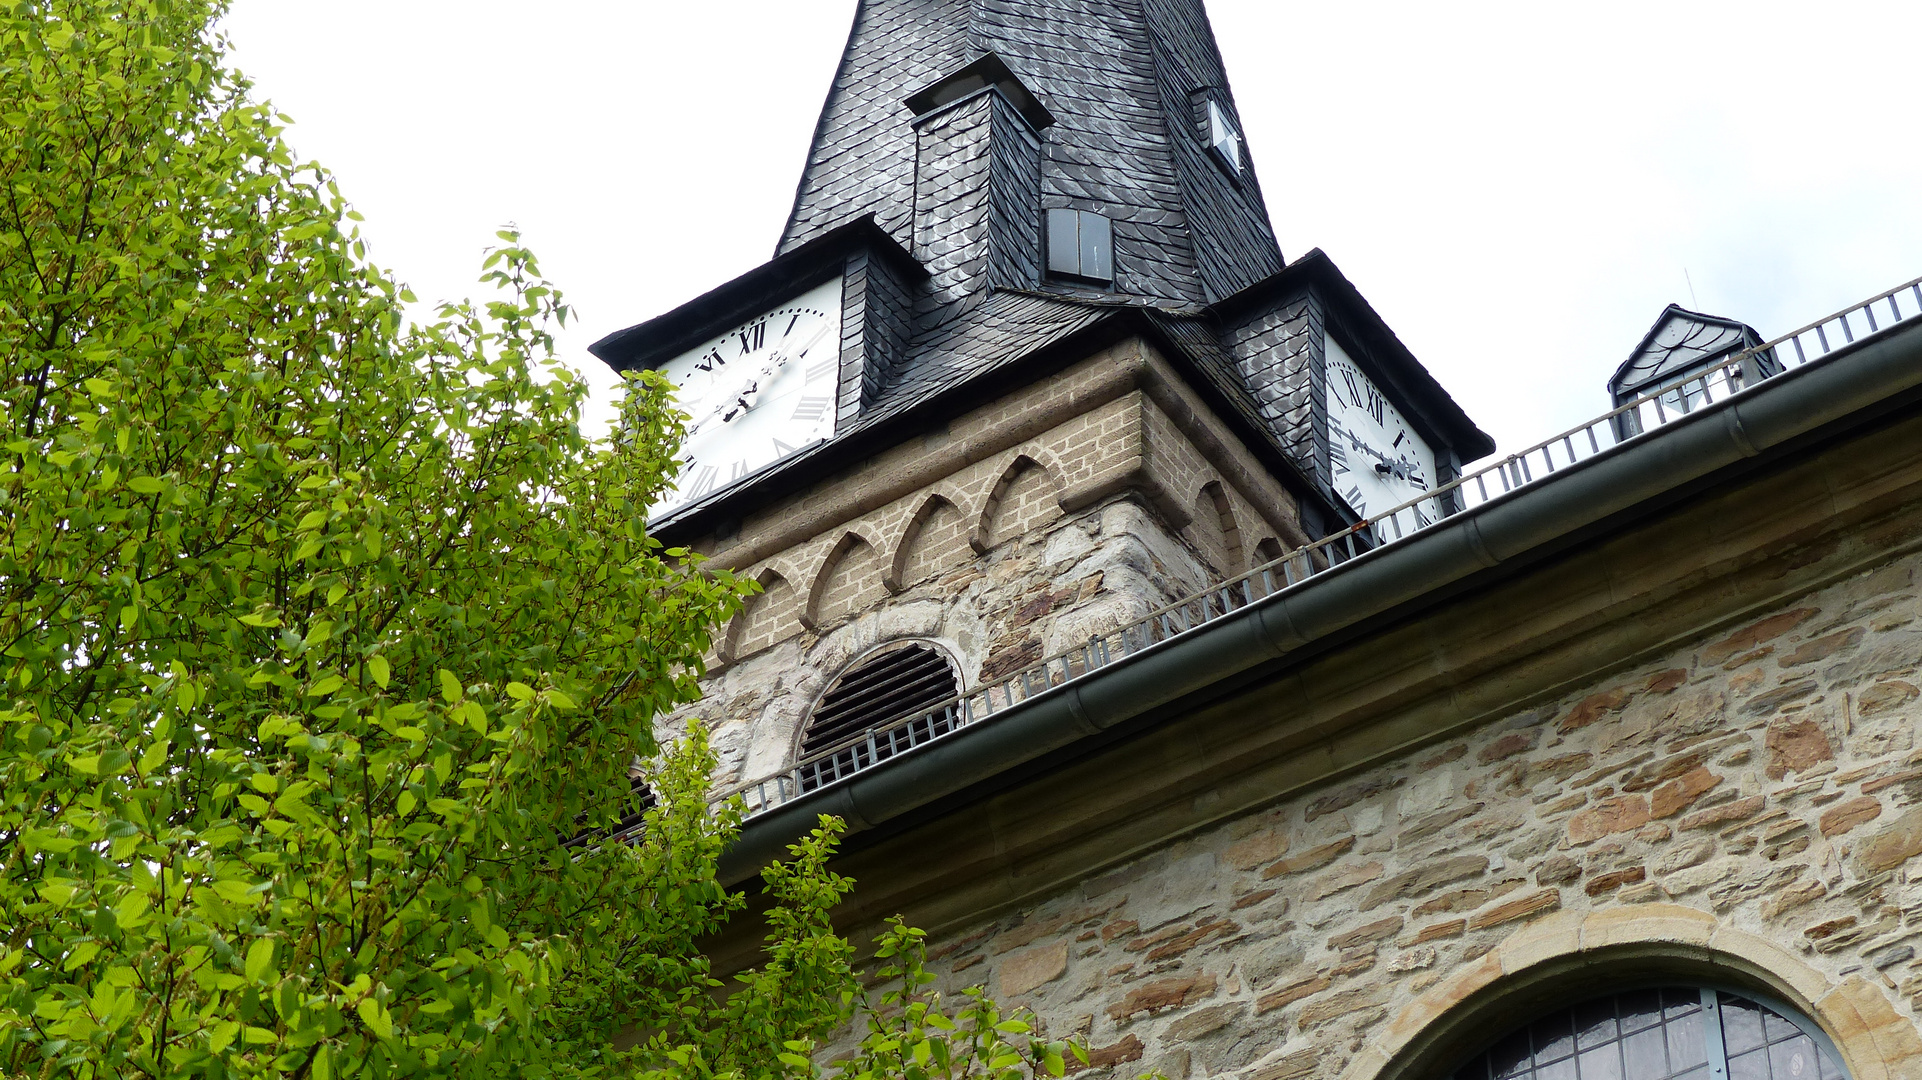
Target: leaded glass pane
<point>1657,1035</point>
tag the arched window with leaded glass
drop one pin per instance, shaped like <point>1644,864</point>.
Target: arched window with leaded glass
<point>1666,1033</point>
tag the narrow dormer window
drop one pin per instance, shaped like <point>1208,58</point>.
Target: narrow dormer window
<point>1080,245</point>
<point>1224,139</point>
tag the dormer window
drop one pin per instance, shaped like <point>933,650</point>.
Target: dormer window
<point>1224,138</point>
<point>896,699</point>
<point>1080,245</point>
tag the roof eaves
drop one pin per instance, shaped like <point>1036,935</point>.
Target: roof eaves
<point>1433,404</point>
<point>665,336</point>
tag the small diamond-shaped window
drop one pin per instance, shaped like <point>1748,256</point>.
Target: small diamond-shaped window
<point>1223,137</point>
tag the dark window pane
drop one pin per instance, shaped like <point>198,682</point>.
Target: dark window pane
<point>1602,1063</point>
<point>1685,1044</point>
<point>1097,247</point>
<point>1640,1009</point>
<point>1831,1070</point>
<point>1741,1025</point>
<point>1680,1002</point>
<point>1064,242</point>
<point>1474,1070</point>
<point>1554,1038</point>
<point>1646,1055</point>
<point>1594,1023</point>
<point>1753,1065</point>
<point>1510,1056</point>
<point>1794,1059</point>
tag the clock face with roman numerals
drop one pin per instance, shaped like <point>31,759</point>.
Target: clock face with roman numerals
<point>1375,459</point>
<point>756,394</point>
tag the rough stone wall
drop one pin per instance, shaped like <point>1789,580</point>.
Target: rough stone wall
<point>1763,782</point>
<point>1010,556</point>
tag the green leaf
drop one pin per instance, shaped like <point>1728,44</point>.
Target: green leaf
<point>260,960</point>
<point>220,1035</point>
<point>450,687</point>
<point>82,953</point>
<point>377,667</point>
<point>145,485</point>
<point>375,1018</point>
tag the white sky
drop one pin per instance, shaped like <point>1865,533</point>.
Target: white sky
<point>1518,188</point>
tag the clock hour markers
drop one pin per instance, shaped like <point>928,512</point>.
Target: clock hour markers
<point>1372,450</point>
<point>754,394</point>
<point>753,337</point>
<point>702,481</point>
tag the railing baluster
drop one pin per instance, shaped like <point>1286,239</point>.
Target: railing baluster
<point>1214,602</point>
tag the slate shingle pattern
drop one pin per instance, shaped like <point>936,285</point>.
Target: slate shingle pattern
<point>1278,355</point>
<point>1123,87</point>
<point>1123,79</point>
<point>965,188</point>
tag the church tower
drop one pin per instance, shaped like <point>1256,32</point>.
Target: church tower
<point>1124,594</point>
<point>1026,365</point>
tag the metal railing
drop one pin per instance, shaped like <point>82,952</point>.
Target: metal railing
<point>1632,420</point>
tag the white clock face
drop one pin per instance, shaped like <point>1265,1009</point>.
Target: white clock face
<point>1375,458</point>
<point>757,393</point>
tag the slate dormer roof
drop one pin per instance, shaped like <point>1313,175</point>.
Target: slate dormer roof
<point>1679,344</point>
<point>1126,83</point>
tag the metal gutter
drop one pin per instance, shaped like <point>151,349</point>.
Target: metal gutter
<point>1855,384</point>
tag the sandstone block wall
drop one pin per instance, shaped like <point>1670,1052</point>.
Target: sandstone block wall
<point>1107,505</point>
<point>1755,794</point>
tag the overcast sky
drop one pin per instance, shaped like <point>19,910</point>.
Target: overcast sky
<point>1518,188</point>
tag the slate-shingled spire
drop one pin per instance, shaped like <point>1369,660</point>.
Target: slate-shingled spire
<point>1126,82</point>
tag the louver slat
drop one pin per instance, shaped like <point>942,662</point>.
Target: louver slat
<point>897,685</point>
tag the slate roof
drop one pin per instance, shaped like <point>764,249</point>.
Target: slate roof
<point>1122,88</point>
<point>1123,80</point>
<point>1679,343</point>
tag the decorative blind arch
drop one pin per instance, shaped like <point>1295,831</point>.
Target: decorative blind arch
<point>899,683</point>
<point>1670,1033</point>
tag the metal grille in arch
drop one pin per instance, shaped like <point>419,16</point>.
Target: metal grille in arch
<point>1674,1033</point>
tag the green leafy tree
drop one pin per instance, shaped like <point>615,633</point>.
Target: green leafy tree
<point>327,643</point>
<point>912,1034</point>
<point>321,635</point>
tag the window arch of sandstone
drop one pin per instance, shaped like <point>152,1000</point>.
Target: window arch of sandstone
<point>1026,493</point>
<point>1576,957</point>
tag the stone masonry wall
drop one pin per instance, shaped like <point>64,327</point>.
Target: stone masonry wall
<point>1767,780</point>
<point>1111,509</point>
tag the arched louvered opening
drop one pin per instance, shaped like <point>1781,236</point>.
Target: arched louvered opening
<point>886,704</point>
<point>1672,1033</point>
